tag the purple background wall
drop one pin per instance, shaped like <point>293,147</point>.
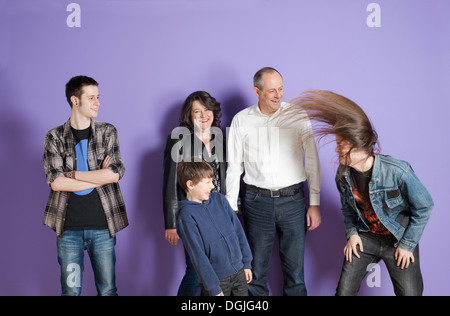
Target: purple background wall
<point>149,55</point>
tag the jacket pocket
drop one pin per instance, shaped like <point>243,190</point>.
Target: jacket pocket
<point>393,199</point>
<point>233,250</point>
<point>403,218</point>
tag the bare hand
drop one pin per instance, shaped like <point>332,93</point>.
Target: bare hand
<point>313,218</point>
<point>172,236</point>
<point>106,162</point>
<point>404,258</point>
<point>350,247</point>
<point>248,275</point>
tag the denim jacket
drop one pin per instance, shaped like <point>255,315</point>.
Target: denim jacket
<point>401,202</point>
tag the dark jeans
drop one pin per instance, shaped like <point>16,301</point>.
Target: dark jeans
<point>286,216</point>
<point>235,285</point>
<point>407,282</point>
<point>189,285</point>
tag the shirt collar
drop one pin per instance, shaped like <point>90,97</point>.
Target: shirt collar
<point>68,130</point>
<point>255,110</point>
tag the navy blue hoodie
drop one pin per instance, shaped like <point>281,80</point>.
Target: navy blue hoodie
<point>214,239</point>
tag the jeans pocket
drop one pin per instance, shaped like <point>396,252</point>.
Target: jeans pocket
<point>298,197</point>
<point>251,196</point>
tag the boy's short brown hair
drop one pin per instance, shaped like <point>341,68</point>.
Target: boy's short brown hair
<point>193,170</point>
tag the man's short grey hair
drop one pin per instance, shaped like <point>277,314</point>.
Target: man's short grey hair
<point>258,82</point>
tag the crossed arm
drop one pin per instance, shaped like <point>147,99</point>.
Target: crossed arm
<point>85,180</point>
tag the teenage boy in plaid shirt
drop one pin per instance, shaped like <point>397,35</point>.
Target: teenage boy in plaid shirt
<point>85,208</point>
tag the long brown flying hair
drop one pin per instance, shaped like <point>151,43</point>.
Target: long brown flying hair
<point>334,114</point>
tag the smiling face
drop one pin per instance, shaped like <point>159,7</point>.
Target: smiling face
<point>271,94</point>
<point>200,191</point>
<point>87,105</point>
<point>202,117</point>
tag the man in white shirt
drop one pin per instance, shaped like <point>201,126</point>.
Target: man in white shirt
<point>272,158</point>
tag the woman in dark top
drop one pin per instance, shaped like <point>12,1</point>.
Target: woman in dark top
<point>198,137</point>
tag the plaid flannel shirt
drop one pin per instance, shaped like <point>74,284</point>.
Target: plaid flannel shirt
<point>59,156</point>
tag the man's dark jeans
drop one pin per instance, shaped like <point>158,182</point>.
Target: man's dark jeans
<point>286,216</point>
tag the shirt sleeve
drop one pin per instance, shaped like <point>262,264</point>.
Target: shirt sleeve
<point>53,160</point>
<point>113,150</point>
<point>235,159</point>
<point>350,215</point>
<point>243,242</point>
<point>170,183</point>
<point>421,205</point>
<point>312,163</point>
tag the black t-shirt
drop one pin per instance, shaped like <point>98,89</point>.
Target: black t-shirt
<point>360,188</point>
<point>84,209</point>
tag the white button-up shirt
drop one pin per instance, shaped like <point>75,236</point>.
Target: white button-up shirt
<point>273,155</point>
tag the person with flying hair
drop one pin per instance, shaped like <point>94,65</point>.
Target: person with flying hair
<point>385,206</point>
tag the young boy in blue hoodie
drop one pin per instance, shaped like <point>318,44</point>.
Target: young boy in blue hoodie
<point>212,234</point>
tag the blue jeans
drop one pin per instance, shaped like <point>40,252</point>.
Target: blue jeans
<point>286,216</point>
<point>407,282</point>
<point>100,247</point>
<point>189,285</point>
